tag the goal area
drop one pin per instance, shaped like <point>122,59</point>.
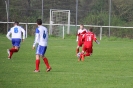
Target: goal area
<point>59,18</point>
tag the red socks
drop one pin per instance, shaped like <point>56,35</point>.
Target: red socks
<point>11,53</point>
<point>46,62</point>
<point>37,64</point>
<point>82,56</point>
<point>12,50</point>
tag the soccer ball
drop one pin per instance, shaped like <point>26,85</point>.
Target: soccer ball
<point>78,55</point>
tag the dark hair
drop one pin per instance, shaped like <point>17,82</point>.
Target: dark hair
<point>82,25</point>
<point>91,29</point>
<point>39,21</point>
<point>16,22</point>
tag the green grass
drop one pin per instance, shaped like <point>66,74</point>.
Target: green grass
<point>110,66</point>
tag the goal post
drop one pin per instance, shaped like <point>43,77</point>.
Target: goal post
<point>58,18</point>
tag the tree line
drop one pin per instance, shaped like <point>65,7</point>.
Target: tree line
<point>93,12</point>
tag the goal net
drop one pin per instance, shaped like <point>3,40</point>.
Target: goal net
<point>59,18</point>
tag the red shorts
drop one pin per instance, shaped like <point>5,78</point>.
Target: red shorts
<point>87,50</point>
<point>80,43</point>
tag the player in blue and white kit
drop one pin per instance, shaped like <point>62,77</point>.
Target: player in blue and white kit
<point>41,40</point>
<point>15,38</point>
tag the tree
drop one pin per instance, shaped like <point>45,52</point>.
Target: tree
<point>124,9</point>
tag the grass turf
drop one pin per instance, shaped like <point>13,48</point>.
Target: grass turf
<point>110,66</point>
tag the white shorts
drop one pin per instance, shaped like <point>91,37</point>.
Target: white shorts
<point>41,50</point>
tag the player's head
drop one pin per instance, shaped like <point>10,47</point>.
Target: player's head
<point>16,23</point>
<point>39,22</point>
<point>81,26</point>
<point>90,29</point>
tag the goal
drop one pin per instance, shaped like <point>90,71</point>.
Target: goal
<point>59,18</point>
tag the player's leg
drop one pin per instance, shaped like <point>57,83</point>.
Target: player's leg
<point>16,44</point>
<point>77,50</point>
<point>79,58</point>
<point>82,54</point>
<point>37,62</point>
<point>91,51</point>
<point>15,48</point>
<point>45,59</point>
<point>10,53</point>
<point>79,45</point>
<point>88,50</point>
<point>48,68</point>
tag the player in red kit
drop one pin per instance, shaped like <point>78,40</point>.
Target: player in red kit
<point>88,39</point>
<point>80,34</point>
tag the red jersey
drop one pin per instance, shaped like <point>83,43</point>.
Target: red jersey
<point>81,33</point>
<point>88,39</point>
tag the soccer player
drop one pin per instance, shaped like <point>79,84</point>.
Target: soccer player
<point>41,40</point>
<point>16,32</point>
<point>88,39</point>
<point>80,33</point>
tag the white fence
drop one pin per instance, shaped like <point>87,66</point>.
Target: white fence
<point>63,27</point>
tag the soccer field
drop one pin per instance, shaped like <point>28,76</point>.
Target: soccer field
<point>110,66</point>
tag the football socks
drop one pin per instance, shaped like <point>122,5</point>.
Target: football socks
<point>46,62</point>
<point>37,64</point>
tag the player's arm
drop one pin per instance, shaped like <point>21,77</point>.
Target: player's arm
<point>95,39</point>
<point>78,34</point>
<point>97,42</point>
<point>77,39</point>
<point>8,35</point>
<point>36,38</point>
<point>23,31</point>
